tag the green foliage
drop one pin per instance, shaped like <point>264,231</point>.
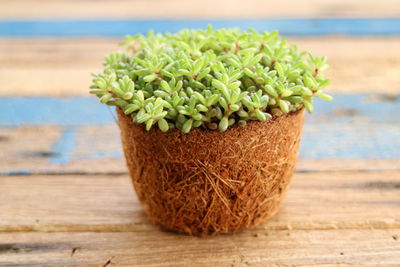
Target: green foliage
<point>209,78</point>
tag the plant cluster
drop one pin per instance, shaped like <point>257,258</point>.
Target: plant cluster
<point>209,78</point>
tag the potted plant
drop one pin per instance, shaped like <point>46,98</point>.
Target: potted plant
<point>210,123</point>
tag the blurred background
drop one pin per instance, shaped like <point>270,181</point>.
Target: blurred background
<point>48,49</point>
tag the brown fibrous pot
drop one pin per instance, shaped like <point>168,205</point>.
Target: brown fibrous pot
<point>206,182</point>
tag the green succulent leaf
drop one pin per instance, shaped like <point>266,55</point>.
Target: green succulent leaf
<point>284,105</point>
<point>323,96</point>
<point>223,124</point>
<point>131,108</point>
<point>149,124</point>
<point>163,125</point>
<point>308,105</point>
<point>105,98</point>
<point>143,118</point>
<point>187,126</point>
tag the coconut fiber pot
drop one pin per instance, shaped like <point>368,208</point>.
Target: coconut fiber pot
<point>206,182</point>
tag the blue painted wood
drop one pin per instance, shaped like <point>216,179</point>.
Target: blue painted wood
<point>78,111</point>
<point>64,146</point>
<point>350,127</point>
<point>355,108</point>
<point>117,28</point>
<point>350,141</point>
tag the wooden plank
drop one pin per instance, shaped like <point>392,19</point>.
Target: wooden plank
<point>60,151</point>
<point>324,148</point>
<point>249,248</point>
<point>90,9</point>
<point>346,134</point>
<point>316,201</point>
<point>116,166</point>
<point>51,64</point>
<point>339,165</point>
<point>119,28</point>
<point>22,145</point>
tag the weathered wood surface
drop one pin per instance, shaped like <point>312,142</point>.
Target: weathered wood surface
<point>78,135</point>
<point>62,67</point>
<point>97,150</point>
<point>89,9</point>
<point>327,219</point>
<point>69,200</point>
<point>104,203</point>
<point>250,248</point>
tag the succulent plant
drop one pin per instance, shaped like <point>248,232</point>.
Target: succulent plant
<point>209,78</point>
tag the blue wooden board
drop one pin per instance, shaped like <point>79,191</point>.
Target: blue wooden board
<point>287,26</point>
<point>78,111</point>
<point>64,146</point>
<point>350,127</point>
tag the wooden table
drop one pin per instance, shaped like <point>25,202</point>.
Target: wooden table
<point>66,198</point>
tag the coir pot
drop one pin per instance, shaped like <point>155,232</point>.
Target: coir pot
<point>206,182</point>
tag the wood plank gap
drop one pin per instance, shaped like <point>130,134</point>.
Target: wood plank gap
<point>147,227</point>
<point>122,173</point>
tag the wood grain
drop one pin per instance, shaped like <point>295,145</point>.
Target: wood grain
<point>62,67</point>
<point>96,149</point>
<point>89,9</point>
<point>21,149</point>
<point>249,248</point>
<point>316,201</point>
